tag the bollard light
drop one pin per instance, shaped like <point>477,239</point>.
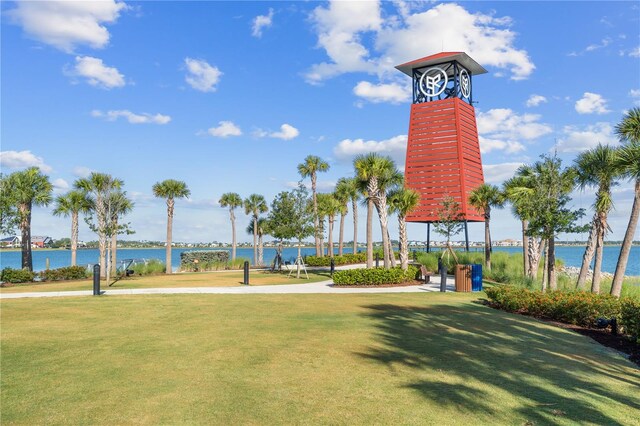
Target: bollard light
<point>443,278</point>
<point>246,272</point>
<point>96,279</point>
<point>333,266</point>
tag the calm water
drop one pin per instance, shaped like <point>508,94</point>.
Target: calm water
<point>572,256</point>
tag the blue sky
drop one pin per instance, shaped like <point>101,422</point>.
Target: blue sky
<point>231,96</point>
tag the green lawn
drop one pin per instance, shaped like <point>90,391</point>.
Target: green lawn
<point>192,279</point>
<point>302,359</point>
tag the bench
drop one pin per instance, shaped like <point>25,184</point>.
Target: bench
<point>425,275</point>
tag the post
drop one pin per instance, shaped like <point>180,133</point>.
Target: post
<point>246,272</point>
<point>443,278</point>
<point>46,262</point>
<point>466,234</point>
<point>377,260</point>
<point>428,237</point>
<point>333,266</point>
<point>439,264</point>
<point>96,279</point>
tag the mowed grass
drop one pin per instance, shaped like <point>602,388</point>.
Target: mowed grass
<point>302,359</point>
<point>193,279</point>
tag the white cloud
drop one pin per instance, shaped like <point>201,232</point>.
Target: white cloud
<point>503,129</point>
<point>260,22</point>
<point>604,43</point>
<point>395,147</point>
<point>60,185</point>
<point>535,100</point>
<point>498,173</point>
<point>202,76</point>
<point>82,172</point>
<point>321,186</point>
<point>96,72</point>
<point>286,132</point>
<point>342,27</point>
<point>143,118</point>
<point>225,129</point>
<point>635,52</point>
<point>23,160</point>
<point>591,103</point>
<point>392,92</point>
<point>577,139</point>
<point>67,24</point>
<point>635,95</point>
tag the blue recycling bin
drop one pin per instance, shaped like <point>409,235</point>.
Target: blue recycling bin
<point>476,277</point>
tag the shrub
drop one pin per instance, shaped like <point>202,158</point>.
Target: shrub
<point>66,273</point>
<point>630,317</point>
<point>10,275</point>
<point>579,308</point>
<point>345,259</point>
<point>153,266</point>
<point>204,258</point>
<point>374,276</point>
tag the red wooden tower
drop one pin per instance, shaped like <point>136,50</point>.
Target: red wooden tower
<point>443,153</point>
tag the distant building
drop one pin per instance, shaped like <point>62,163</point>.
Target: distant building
<point>40,241</point>
<point>10,242</point>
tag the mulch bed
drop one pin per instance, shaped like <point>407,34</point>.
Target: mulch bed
<point>620,343</point>
<point>404,284</point>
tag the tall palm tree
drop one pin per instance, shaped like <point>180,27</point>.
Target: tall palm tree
<point>254,205</point>
<point>483,198</point>
<point>597,167</point>
<point>350,189</point>
<point>170,189</point>
<point>28,188</point>
<point>119,205</point>
<point>233,201</point>
<point>98,186</point>
<point>343,196</point>
<point>378,173</point>
<point>402,202</point>
<point>329,207</point>
<point>72,204</point>
<point>629,163</point>
<point>310,168</point>
<point>259,228</point>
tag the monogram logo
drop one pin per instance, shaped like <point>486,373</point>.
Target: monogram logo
<point>433,82</point>
<point>465,83</point>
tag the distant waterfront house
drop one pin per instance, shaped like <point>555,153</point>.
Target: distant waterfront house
<point>40,241</point>
<point>10,242</point>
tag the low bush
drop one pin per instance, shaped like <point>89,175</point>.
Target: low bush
<point>15,276</point>
<point>345,259</point>
<point>62,274</point>
<point>630,317</point>
<point>375,276</point>
<point>153,266</point>
<point>579,308</point>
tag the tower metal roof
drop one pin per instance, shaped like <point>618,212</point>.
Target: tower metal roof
<point>462,58</point>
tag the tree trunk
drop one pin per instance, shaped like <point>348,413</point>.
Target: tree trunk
<point>404,247</point>
<point>255,240</point>
<point>330,248</point>
<point>381,206</point>
<point>233,234</point>
<point>316,219</point>
<point>170,204</point>
<point>260,251</point>
<point>392,254</point>
<point>354,210</point>
<point>321,235</point>
<point>534,260</point>
<point>623,257</point>
<point>551,260</point>
<point>298,259</point>
<point>369,233</point>
<point>487,238</point>
<point>25,243</point>
<point>341,236</point>
<point>595,282</point>
<point>114,254</point>
<point>588,253</point>
<point>525,246</point>
<point>545,267</point>
<point>74,237</point>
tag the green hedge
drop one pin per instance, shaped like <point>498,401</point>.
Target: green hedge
<point>375,276</point>
<point>66,273</point>
<point>153,266</point>
<point>579,308</point>
<point>345,259</point>
<point>204,259</point>
<point>10,275</point>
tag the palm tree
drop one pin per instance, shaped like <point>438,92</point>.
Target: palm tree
<point>310,168</point>
<point>98,186</point>
<point>629,164</point>
<point>72,204</point>
<point>329,206</point>
<point>170,189</point>
<point>349,188</point>
<point>402,202</point>
<point>260,229</point>
<point>596,167</point>
<point>233,201</point>
<point>483,198</point>
<point>343,196</point>
<point>378,173</point>
<point>27,188</point>
<point>254,205</point>
<point>119,205</point>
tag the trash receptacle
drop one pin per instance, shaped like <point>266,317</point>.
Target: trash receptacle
<point>476,277</point>
<point>463,278</point>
